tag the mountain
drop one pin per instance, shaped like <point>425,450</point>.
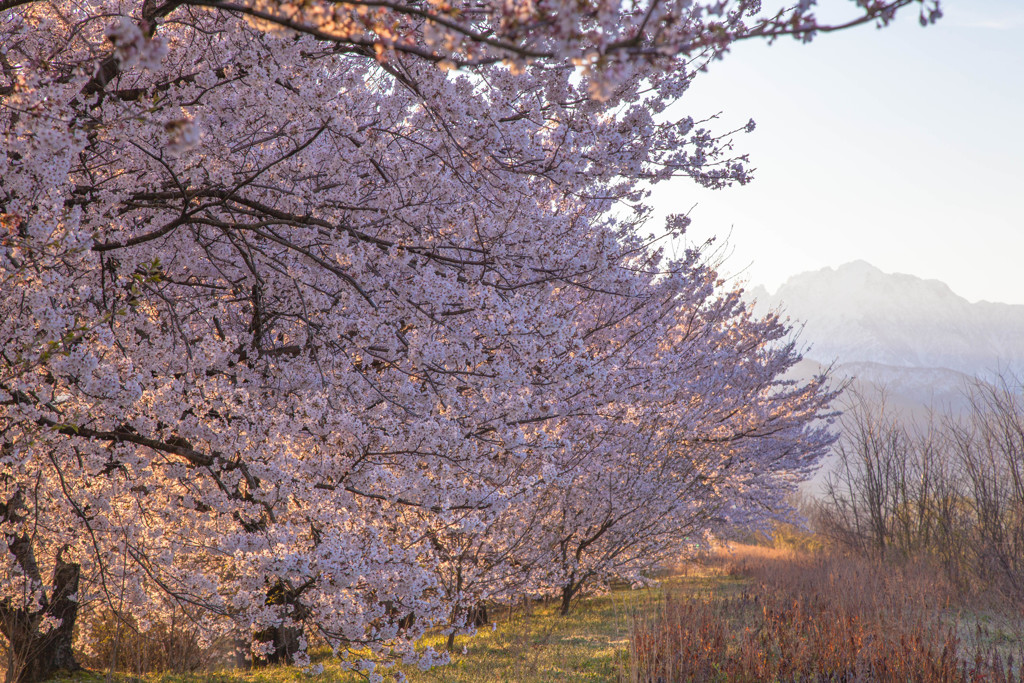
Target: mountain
<point>915,337</point>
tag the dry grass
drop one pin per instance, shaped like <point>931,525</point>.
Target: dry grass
<point>532,645</point>
<point>748,614</point>
<point>821,617</point>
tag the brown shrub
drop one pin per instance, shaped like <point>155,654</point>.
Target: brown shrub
<point>815,618</point>
<point>116,643</point>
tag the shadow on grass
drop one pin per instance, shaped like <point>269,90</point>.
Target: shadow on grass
<point>532,645</point>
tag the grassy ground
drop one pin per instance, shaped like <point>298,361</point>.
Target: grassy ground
<point>827,617</point>
<point>753,615</point>
<point>591,644</point>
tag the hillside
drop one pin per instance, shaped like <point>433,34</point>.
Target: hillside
<point>915,337</point>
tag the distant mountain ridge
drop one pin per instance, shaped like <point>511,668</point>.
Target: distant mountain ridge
<point>856,314</point>
<point>911,340</point>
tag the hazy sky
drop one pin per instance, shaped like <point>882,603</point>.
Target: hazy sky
<point>903,147</point>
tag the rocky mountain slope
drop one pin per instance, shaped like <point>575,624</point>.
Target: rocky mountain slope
<point>915,337</point>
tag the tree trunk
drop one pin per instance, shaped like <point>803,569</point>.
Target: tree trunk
<point>478,616</point>
<point>568,591</point>
<point>33,656</point>
<point>286,643</point>
<point>285,639</point>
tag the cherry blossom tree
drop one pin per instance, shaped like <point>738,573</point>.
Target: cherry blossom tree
<point>289,309</point>
<point>706,437</point>
<point>701,434</point>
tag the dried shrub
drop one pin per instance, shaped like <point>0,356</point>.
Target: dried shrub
<point>951,490</point>
<point>816,618</point>
<point>115,642</point>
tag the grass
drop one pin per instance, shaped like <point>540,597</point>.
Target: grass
<point>754,614</point>
<point>591,644</point>
<point>828,617</point>
<point>529,646</point>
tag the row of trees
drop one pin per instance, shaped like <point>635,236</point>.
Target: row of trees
<point>950,488</point>
<point>306,335</point>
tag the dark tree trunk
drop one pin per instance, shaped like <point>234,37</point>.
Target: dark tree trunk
<point>33,656</point>
<point>407,622</point>
<point>568,591</point>
<point>286,643</point>
<point>285,639</point>
<point>478,616</point>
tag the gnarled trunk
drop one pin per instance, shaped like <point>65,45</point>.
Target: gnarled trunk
<point>478,615</point>
<point>285,639</point>
<point>40,641</point>
<point>569,591</point>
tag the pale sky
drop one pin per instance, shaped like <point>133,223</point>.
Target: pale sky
<point>903,147</point>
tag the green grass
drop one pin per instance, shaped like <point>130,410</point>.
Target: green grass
<point>592,643</point>
<point>540,646</point>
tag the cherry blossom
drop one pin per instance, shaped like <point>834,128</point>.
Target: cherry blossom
<point>334,321</point>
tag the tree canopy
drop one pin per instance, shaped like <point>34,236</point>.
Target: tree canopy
<point>334,320</point>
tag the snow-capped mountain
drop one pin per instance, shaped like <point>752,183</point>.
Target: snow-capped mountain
<point>916,337</point>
